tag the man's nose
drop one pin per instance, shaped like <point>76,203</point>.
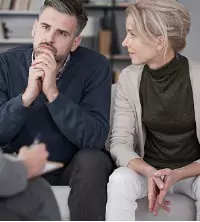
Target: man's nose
<point>50,37</point>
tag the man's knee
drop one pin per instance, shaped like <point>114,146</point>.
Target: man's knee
<point>93,160</point>
<point>88,182</point>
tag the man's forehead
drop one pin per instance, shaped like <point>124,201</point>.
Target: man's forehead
<point>52,15</point>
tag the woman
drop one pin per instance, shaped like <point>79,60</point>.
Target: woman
<point>156,126</point>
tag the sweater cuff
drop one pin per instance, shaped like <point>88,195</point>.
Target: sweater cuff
<point>57,105</point>
<point>197,161</point>
<point>125,160</point>
<point>123,156</point>
<point>19,108</point>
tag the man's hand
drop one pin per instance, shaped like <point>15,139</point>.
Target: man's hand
<point>34,86</point>
<point>46,62</point>
<point>34,159</point>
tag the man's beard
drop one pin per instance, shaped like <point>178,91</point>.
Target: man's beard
<point>38,50</point>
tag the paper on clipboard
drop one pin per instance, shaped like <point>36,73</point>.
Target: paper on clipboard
<point>51,166</point>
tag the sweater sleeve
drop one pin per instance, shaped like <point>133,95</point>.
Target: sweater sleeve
<point>86,124</point>
<point>12,112</point>
<point>123,134</point>
<point>13,175</point>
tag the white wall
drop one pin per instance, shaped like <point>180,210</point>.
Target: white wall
<point>192,49</point>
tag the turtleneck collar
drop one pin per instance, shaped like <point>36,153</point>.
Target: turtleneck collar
<point>167,69</point>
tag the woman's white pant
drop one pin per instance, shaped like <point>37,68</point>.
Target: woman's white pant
<point>126,186</point>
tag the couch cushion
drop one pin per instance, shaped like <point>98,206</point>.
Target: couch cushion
<point>182,207</point>
<point>61,193</point>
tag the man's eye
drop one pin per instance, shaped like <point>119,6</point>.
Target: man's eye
<point>45,26</point>
<point>62,33</point>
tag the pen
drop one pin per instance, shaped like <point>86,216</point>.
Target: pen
<point>37,140</point>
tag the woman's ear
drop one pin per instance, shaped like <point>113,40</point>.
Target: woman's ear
<point>160,43</point>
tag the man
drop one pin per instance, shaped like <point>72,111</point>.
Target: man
<point>21,199</point>
<point>62,91</point>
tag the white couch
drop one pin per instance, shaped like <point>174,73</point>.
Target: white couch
<point>182,207</point>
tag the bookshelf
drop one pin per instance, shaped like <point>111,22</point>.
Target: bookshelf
<point>119,57</point>
<point>35,13</point>
<point>29,41</point>
<point>23,13</point>
<point>105,7</point>
<point>7,13</point>
<point>16,41</point>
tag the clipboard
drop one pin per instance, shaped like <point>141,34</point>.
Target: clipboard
<point>51,166</point>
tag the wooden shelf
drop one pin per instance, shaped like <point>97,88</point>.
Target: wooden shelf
<point>118,57</point>
<point>106,7</point>
<point>29,41</point>
<point>35,13</point>
<point>18,13</point>
<point>15,41</point>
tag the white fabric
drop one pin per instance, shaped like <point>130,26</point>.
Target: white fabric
<point>61,194</point>
<point>126,186</point>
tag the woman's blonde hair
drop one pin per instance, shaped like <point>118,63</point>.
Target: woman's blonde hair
<point>166,18</point>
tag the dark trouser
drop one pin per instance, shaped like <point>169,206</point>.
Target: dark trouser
<point>36,202</point>
<point>87,175</point>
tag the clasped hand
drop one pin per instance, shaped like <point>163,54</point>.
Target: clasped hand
<point>159,183</point>
<point>42,77</point>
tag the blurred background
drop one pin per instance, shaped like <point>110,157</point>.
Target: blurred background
<point>104,32</point>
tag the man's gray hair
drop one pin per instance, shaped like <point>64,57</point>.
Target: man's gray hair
<point>70,7</point>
